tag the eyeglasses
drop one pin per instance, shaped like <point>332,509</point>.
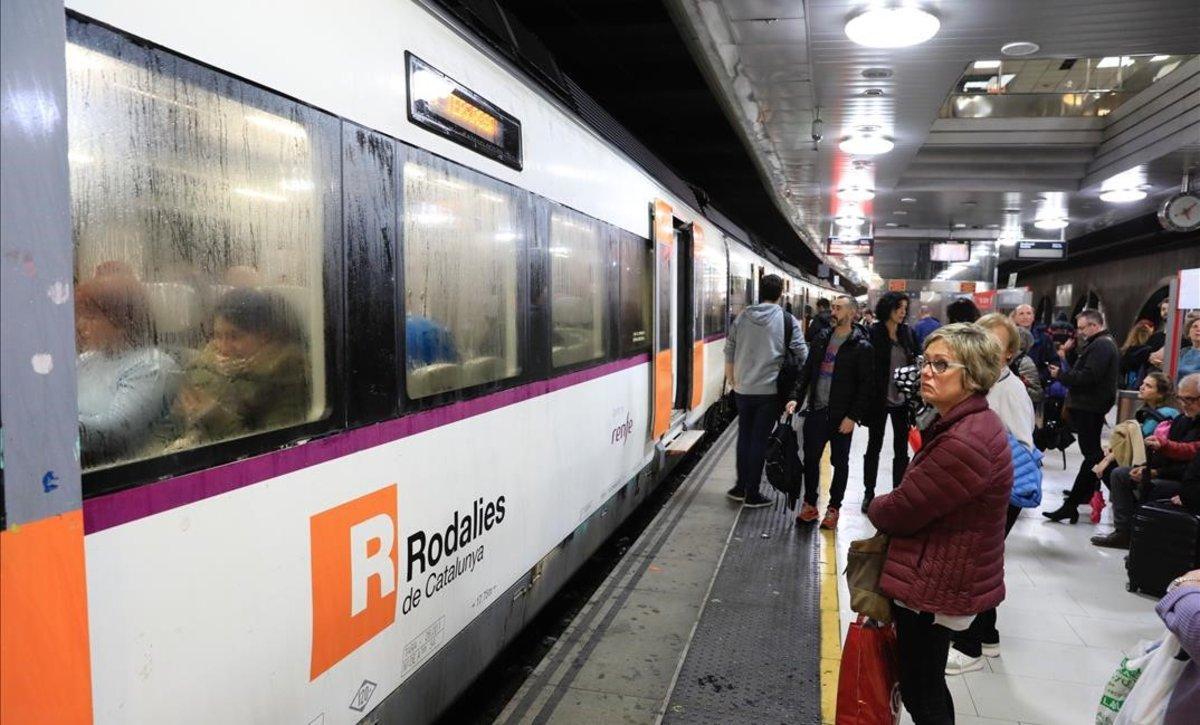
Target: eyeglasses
<point>1189,399</point>
<point>939,367</point>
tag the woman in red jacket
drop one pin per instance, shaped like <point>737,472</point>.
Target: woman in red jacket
<point>945,563</point>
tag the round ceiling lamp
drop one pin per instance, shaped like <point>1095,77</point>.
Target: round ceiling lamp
<point>895,27</point>
<point>1020,47</point>
<point>1051,223</point>
<point>866,141</point>
<point>855,194</point>
<point>1122,196</point>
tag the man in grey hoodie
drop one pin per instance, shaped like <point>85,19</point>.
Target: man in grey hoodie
<point>753,354</point>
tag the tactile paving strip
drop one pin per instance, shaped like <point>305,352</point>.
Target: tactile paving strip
<point>755,657</point>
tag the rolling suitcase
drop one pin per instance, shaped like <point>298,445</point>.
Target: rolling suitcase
<point>1165,544</point>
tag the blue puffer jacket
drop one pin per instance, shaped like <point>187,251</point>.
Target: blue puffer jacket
<point>1027,475</point>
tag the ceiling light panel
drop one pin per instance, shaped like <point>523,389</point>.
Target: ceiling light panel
<point>895,27</point>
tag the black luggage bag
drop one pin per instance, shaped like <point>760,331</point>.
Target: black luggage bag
<point>785,470</point>
<point>1166,543</point>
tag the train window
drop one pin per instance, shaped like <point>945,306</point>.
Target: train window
<point>200,208</point>
<point>636,286</point>
<point>578,249</point>
<point>463,236</point>
<point>715,283</point>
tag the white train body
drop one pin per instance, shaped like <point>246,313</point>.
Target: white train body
<point>218,595</point>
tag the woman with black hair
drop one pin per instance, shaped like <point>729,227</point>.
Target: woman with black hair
<point>894,346</point>
<point>253,376</point>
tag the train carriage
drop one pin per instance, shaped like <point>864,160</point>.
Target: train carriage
<point>490,328</point>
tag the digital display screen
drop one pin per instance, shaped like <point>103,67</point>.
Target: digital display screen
<point>1041,250</point>
<point>950,252</point>
<point>439,104</point>
<point>861,247</point>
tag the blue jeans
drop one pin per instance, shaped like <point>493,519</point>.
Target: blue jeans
<point>756,418</point>
<point>819,430</point>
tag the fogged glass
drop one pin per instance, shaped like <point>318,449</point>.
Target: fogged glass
<point>665,279</point>
<point>635,290</point>
<point>200,206</point>
<point>578,288</point>
<point>714,280</point>
<point>462,239</point>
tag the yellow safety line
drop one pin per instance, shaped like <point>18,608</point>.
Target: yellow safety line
<point>831,625</point>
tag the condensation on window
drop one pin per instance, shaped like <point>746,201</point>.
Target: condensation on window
<point>635,289</point>
<point>200,209</point>
<point>463,235</point>
<point>740,281</point>
<point>578,288</point>
<point>713,270</point>
<point>665,266</point>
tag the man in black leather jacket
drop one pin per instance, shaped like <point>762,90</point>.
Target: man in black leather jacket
<point>836,387</point>
<point>1091,392</point>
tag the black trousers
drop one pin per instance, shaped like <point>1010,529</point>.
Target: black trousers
<point>756,417</point>
<point>875,425</point>
<point>819,430</point>
<point>1088,426</point>
<point>983,628</point>
<point>923,647</point>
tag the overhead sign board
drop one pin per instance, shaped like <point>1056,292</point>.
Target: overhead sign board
<point>1029,249</point>
<point>861,247</point>
<point>950,252</point>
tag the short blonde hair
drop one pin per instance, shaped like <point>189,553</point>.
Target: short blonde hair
<point>978,352</point>
<point>993,320</point>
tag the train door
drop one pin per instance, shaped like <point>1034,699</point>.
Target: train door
<point>663,370</point>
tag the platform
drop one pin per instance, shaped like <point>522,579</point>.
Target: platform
<point>719,614</point>
<point>711,617</point>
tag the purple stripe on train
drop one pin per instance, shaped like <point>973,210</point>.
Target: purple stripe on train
<point>105,512</point>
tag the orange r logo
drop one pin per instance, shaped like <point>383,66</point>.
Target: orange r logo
<point>353,576</point>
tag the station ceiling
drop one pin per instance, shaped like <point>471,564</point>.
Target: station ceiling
<point>727,92</point>
<point>629,56</point>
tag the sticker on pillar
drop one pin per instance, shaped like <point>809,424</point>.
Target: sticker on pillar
<point>353,576</point>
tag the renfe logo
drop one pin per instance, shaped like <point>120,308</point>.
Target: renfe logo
<point>353,575</point>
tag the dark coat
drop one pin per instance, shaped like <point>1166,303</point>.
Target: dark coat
<point>946,518</point>
<point>1092,380</point>
<point>881,348</point>
<point>1182,444</point>
<point>818,324</point>
<point>850,391</point>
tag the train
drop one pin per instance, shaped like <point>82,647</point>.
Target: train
<point>468,333</point>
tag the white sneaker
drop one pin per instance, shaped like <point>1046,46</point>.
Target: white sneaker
<point>991,650</point>
<point>958,663</point>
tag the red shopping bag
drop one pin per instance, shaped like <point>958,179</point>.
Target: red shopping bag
<point>914,438</point>
<point>868,682</point>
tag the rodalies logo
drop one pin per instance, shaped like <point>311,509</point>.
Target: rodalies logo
<point>355,567</point>
<point>353,575</point>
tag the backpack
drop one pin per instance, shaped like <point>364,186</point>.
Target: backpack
<point>1027,475</point>
<point>785,472</point>
<point>789,369</point>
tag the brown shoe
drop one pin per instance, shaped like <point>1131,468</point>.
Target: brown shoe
<point>830,520</point>
<point>1115,540</point>
<point>808,514</point>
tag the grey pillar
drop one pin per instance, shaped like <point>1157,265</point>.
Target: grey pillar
<point>37,327</point>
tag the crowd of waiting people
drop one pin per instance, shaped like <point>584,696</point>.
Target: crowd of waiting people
<point>138,398</point>
<point>968,389</point>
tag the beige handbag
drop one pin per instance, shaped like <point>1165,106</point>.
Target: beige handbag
<point>864,567</point>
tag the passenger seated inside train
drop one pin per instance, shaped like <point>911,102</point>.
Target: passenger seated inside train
<point>252,376</point>
<point>427,342</point>
<point>125,384</point>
